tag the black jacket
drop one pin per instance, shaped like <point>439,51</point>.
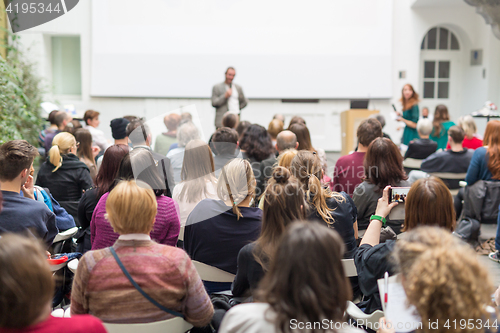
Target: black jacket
<point>421,148</point>
<point>68,182</point>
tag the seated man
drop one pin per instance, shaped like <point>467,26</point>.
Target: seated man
<point>421,148</point>
<point>22,213</point>
<point>224,146</point>
<point>455,160</point>
<point>349,168</point>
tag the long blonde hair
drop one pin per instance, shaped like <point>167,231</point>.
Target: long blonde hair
<point>61,144</point>
<point>443,278</point>
<point>306,167</point>
<point>236,183</point>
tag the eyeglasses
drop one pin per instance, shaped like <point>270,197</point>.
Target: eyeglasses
<point>77,144</point>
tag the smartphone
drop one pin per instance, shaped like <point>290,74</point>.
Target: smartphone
<point>398,194</point>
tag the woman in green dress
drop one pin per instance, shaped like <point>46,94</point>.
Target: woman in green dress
<point>410,115</point>
<point>442,124</point>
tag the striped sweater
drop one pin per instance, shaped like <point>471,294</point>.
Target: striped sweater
<point>165,273</point>
<point>165,229</point>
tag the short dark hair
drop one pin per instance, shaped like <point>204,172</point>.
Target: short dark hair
<point>15,156</point>
<point>369,130</point>
<point>51,117</point>
<point>230,120</point>
<point>60,117</point>
<point>90,114</point>
<point>456,133</point>
<point>137,137</point>
<point>224,141</point>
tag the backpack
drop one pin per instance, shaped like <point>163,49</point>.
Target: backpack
<point>468,230</point>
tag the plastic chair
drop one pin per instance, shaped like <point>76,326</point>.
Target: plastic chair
<point>211,273</point>
<point>65,234</point>
<point>174,325</point>
<point>363,319</point>
<point>412,163</point>
<point>349,267</point>
<point>73,265</point>
<point>448,178</point>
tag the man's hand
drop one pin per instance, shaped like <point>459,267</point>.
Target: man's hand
<point>28,188</point>
<point>95,151</point>
<point>228,93</point>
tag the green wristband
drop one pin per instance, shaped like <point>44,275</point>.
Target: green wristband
<point>380,218</point>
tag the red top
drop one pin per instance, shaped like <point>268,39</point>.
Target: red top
<point>348,172</point>
<point>75,324</point>
<point>473,143</point>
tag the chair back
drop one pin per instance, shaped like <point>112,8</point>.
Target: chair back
<point>452,180</point>
<point>349,267</point>
<point>211,273</point>
<point>174,325</point>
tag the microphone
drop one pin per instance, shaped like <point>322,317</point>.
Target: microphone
<point>231,85</point>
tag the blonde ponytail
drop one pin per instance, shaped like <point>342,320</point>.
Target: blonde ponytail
<point>61,144</point>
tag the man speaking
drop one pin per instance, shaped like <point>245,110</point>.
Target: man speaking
<point>227,96</point>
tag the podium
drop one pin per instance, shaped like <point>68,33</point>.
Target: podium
<point>349,122</point>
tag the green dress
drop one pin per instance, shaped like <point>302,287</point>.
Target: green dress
<point>409,133</point>
<point>442,139</point>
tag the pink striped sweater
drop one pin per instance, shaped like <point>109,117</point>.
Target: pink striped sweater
<point>164,272</point>
<point>165,229</point>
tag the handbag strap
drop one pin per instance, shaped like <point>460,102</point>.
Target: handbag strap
<point>139,289</point>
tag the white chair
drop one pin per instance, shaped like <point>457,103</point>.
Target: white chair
<point>174,325</point>
<point>450,176</point>
<point>412,163</point>
<point>181,234</point>
<point>65,234</point>
<point>349,267</point>
<point>73,265</point>
<point>211,273</point>
<point>364,319</point>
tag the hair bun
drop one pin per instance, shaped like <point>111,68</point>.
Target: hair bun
<point>281,175</point>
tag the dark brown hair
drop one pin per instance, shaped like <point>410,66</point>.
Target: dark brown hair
<point>303,136</point>
<point>109,167</point>
<point>284,202</point>
<point>383,163</point>
<point>440,115</point>
<point>275,127</point>
<point>256,142</point>
<point>369,130</point>
<point>429,202</point>
<point>457,134</point>
<point>26,280</point>
<point>60,117</point>
<point>224,141</point>
<point>492,140</point>
<point>296,120</point>
<point>407,104</point>
<point>15,156</point>
<point>242,126</point>
<point>89,115</point>
<point>230,120</point>
<point>306,279</point>
<point>84,137</point>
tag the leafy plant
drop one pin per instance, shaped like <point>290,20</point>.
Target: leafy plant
<point>20,96</point>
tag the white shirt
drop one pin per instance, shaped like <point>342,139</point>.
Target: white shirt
<point>98,137</point>
<point>185,208</point>
<point>134,237</point>
<point>233,103</point>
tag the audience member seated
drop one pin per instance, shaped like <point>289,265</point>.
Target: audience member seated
<point>349,171</point>
<point>216,230</point>
<point>471,140</point>
<point>443,278</point>
<point>27,291</point>
<point>51,129</point>
<point>140,136</point>
<point>274,128</point>
<point>72,126</point>
<point>91,119</point>
<point>421,148</point>
<point>381,120</point>
<point>224,146</point>
<point>165,273</point>
<point>119,134</point>
<point>139,165</point>
<point>230,120</point>
<point>85,152</point>
<point>166,139</point>
<point>256,146</point>
<point>333,209</point>
<point>284,202</point>
<point>61,119</point>
<point>442,124</point>
<point>383,166</point>
<point>104,180</point>
<point>429,202</point>
<point>284,140</point>
<point>185,133</point>
<point>63,173</point>
<point>426,114</point>
<point>22,213</point>
<point>304,140</point>
<point>242,126</point>
<point>306,284</point>
<point>455,160</point>
<point>279,116</point>
<point>296,120</point>
<point>198,181</point>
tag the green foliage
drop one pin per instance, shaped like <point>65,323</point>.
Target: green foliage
<point>20,97</point>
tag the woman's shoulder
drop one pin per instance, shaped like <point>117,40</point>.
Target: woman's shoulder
<point>249,317</point>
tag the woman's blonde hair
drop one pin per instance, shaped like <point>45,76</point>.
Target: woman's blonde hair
<point>131,207</point>
<point>286,157</point>
<point>468,125</point>
<point>306,167</point>
<point>236,183</point>
<point>443,279</point>
<point>61,144</point>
